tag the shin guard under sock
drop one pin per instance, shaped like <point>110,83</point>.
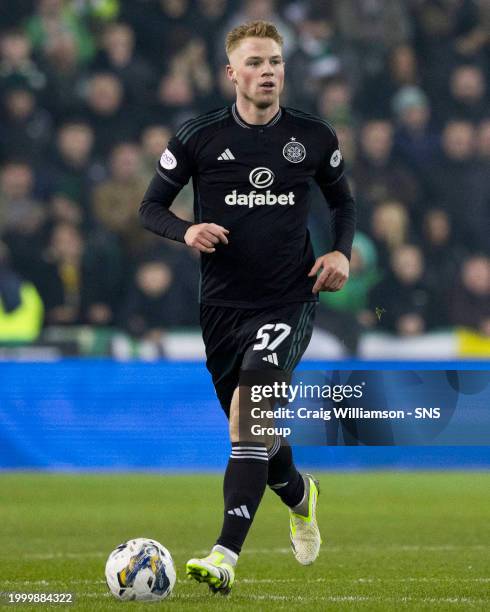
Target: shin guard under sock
<point>283,477</point>
<point>244,484</point>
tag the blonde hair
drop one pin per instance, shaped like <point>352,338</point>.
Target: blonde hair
<point>258,29</point>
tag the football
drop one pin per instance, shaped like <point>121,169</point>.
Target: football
<point>140,569</point>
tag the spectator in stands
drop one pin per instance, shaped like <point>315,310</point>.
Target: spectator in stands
<point>416,142</point>
<point>335,103</point>
<point>62,209</point>
<point>65,77</point>
<point>119,57</point>
<point>316,59</point>
<point>52,17</point>
<point>402,300</point>
<point>483,175</point>
<point>403,67</point>
<point>442,261</point>
<point>378,174</point>
<point>104,279</point>
<point>378,91</point>
<point>367,30</point>
<point>60,276</point>
<point>105,111</point>
<point>449,32</point>
<point>73,170</point>
<point>21,308</point>
<point>467,94</point>
<point>22,216</point>
<point>471,28</point>
<point>26,128</point>
<point>389,227</point>
<point>153,304</point>
<point>80,282</point>
<point>16,60</point>
<point>175,101</point>
<point>470,299</point>
<point>113,199</point>
<point>455,180</point>
<point>150,19</point>
<point>442,258</point>
<point>192,62</point>
<point>211,17</point>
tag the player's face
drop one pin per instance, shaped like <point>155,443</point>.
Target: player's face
<point>257,69</point>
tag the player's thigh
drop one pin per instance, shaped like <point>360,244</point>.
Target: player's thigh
<point>223,359</point>
<point>277,338</point>
<point>276,341</point>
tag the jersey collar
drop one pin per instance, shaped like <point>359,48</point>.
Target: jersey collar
<point>249,126</point>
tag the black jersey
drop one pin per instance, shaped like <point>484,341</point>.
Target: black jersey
<point>254,180</point>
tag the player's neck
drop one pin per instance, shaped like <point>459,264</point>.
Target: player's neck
<point>253,115</point>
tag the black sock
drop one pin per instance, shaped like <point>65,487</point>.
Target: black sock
<point>244,484</point>
<point>284,479</point>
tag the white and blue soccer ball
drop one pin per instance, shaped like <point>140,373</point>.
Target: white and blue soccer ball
<point>141,570</point>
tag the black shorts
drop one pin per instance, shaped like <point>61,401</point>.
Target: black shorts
<point>245,339</point>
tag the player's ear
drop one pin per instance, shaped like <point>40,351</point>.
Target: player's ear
<point>230,73</point>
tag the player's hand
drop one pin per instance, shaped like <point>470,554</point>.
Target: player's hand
<point>204,236</point>
<point>334,274</point>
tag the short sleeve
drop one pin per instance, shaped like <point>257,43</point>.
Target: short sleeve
<point>331,166</point>
<point>174,165</point>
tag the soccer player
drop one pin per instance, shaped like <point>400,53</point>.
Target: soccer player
<point>251,165</point>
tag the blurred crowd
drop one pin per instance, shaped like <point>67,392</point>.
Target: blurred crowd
<point>91,90</point>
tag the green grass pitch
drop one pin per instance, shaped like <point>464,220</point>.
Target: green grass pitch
<point>392,541</point>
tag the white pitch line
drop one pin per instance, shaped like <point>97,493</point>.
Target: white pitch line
<point>361,580</point>
<point>325,599</point>
<point>369,548</point>
<point>278,551</point>
<point>266,581</point>
<point>365,598</point>
<point>52,582</point>
<point>63,555</point>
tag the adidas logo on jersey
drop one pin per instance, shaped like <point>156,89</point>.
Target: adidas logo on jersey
<point>227,155</point>
<point>241,511</point>
<point>259,199</point>
<point>272,358</point>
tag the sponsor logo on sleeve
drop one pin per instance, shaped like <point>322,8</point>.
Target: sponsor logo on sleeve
<point>167,160</point>
<point>336,158</point>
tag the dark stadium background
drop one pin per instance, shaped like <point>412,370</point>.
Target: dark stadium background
<point>90,92</point>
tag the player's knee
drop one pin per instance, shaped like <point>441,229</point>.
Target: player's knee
<point>249,421</point>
